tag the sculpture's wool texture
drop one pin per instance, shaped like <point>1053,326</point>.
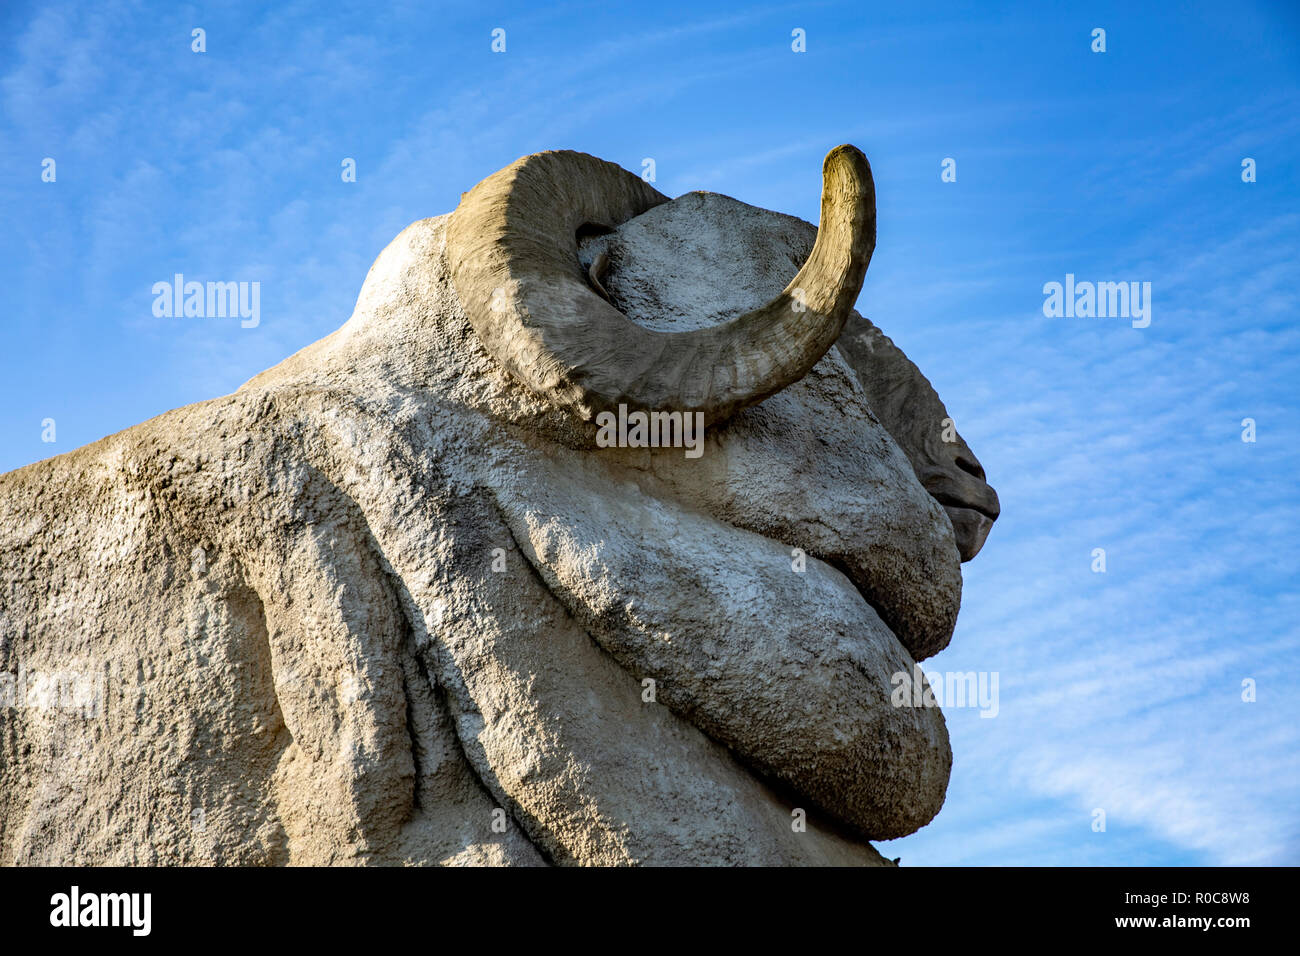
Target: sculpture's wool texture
<point>386,603</point>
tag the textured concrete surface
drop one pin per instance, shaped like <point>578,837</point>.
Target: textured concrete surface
<point>385,605</point>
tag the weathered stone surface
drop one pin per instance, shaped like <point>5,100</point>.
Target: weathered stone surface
<point>383,598</point>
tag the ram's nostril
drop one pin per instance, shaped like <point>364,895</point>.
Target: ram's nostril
<point>970,467</point>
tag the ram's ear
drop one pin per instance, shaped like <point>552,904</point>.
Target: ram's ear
<point>716,613</point>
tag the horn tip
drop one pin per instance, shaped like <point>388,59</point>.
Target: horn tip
<point>849,154</point>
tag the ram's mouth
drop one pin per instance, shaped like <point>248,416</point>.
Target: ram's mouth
<point>951,502</point>
<point>971,522</point>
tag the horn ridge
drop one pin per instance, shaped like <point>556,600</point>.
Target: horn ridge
<point>512,253</point>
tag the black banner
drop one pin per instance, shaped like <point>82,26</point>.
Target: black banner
<point>359,906</point>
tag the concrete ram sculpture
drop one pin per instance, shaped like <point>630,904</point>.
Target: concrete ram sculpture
<point>593,537</point>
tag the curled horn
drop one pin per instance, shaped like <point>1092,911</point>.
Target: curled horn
<point>512,250</point>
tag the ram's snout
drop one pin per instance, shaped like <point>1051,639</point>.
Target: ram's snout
<point>957,482</point>
<point>910,409</point>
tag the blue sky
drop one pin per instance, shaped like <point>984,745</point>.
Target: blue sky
<point>1118,690</point>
